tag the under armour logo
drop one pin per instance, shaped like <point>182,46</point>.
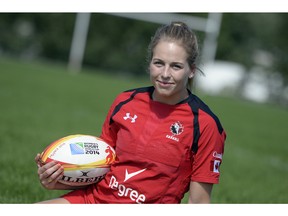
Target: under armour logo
<point>133,119</point>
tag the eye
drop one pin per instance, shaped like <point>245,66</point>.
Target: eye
<point>177,66</point>
<point>158,63</point>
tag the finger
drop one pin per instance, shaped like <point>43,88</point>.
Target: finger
<point>54,177</point>
<point>47,181</point>
<point>37,157</point>
<point>58,174</point>
<point>48,169</point>
<point>38,160</point>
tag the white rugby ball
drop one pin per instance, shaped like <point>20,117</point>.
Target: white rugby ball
<point>85,158</point>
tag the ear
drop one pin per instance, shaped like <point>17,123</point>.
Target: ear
<point>192,71</point>
<point>191,75</point>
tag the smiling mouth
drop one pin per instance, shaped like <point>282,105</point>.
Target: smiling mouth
<point>164,83</point>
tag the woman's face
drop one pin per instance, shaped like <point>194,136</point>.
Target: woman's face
<point>169,72</point>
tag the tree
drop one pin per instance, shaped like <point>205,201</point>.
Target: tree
<point>244,34</point>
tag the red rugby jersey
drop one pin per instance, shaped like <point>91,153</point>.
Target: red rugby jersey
<point>160,148</point>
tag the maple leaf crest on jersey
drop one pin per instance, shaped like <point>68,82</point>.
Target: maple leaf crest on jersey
<point>177,128</point>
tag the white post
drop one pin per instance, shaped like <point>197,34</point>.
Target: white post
<point>78,42</point>
<point>212,31</point>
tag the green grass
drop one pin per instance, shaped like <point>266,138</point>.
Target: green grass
<point>41,102</point>
<point>255,166</point>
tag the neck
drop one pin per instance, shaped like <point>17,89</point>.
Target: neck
<point>169,99</point>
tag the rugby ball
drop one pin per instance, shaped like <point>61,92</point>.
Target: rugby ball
<point>85,158</point>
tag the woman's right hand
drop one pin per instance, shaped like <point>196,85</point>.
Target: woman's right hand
<point>49,174</point>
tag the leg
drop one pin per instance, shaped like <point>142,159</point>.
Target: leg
<point>55,201</point>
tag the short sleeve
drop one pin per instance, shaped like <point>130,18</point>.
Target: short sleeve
<point>207,160</point>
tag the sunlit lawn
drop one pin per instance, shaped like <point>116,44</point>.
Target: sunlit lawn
<point>41,102</point>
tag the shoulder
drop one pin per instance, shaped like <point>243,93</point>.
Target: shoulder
<point>209,130</point>
<point>148,89</point>
<point>131,93</point>
<point>126,97</point>
<point>205,115</point>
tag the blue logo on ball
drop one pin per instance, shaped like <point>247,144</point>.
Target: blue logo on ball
<point>77,148</point>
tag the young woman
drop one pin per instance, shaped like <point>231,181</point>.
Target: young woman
<point>167,141</point>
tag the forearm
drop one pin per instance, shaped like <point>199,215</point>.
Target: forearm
<point>199,200</point>
<point>200,193</point>
<point>60,186</point>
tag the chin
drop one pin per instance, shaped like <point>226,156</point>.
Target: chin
<point>164,92</point>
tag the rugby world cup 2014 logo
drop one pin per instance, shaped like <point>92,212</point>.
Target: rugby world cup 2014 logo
<point>84,148</point>
<point>77,148</point>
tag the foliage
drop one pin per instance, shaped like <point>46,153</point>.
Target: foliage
<point>114,44</point>
<point>32,35</point>
<point>243,35</point>
<point>119,44</point>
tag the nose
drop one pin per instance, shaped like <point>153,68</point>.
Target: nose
<point>166,72</point>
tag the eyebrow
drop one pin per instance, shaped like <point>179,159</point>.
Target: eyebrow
<point>174,62</point>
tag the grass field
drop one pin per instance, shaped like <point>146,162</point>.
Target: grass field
<point>41,102</point>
